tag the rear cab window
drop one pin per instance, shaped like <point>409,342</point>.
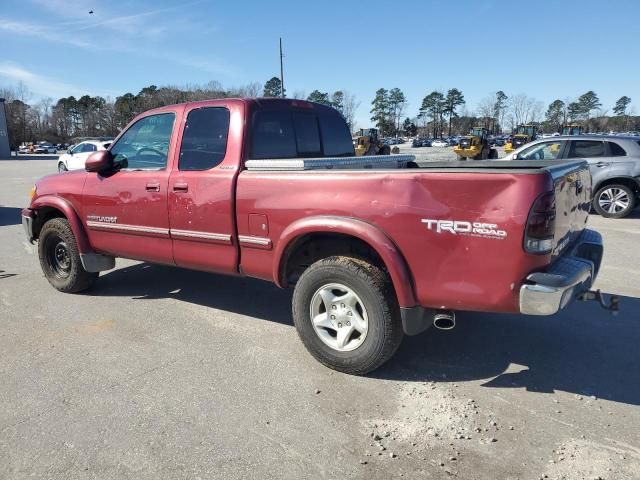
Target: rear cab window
<point>299,133</point>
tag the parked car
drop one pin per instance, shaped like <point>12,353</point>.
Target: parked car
<point>23,149</point>
<point>439,142</point>
<point>77,155</point>
<point>498,142</point>
<point>363,274</point>
<point>614,162</point>
<point>45,148</point>
<point>426,142</point>
<point>417,142</point>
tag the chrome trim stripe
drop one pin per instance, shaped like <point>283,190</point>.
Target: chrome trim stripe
<point>216,237</point>
<point>255,241</point>
<point>127,228</point>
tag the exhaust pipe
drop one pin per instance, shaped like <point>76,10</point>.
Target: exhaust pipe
<point>444,320</point>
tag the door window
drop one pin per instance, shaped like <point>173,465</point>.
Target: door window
<point>145,145</point>
<point>586,149</point>
<point>542,151</point>
<point>88,148</point>
<point>204,143</point>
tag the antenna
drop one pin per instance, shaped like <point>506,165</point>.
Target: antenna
<point>281,71</point>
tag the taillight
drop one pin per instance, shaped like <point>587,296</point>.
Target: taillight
<point>541,225</point>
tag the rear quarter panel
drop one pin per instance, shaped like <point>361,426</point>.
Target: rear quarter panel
<point>461,271</point>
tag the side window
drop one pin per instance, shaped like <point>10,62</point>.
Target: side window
<point>145,144</point>
<point>89,148</point>
<point>336,138</point>
<point>616,150</point>
<point>586,149</point>
<point>204,143</point>
<point>78,148</point>
<point>542,151</point>
<point>273,135</point>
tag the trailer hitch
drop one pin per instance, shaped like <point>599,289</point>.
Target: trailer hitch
<point>614,301</point>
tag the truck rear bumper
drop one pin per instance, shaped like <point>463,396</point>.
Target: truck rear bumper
<point>545,293</point>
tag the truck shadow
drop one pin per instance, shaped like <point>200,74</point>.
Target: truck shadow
<point>582,350</point>
<point>242,295</point>
<point>9,216</point>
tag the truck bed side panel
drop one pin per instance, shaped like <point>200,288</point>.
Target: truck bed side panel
<point>460,266</point>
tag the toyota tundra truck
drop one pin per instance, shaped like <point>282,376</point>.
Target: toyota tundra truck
<point>374,248</point>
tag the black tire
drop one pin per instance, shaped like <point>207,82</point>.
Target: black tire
<point>60,259</point>
<point>605,193</point>
<point>374,288</point>
<point>62,167</point>
<point>493,154</point>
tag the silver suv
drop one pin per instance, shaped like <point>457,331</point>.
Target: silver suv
<point>614,162</point>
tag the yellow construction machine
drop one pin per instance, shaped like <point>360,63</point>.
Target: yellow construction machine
<point>572,129</point>
<point>475,146</point>
<point>367,142</point>
<point>524,134</point>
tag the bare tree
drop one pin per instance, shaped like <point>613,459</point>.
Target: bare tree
<point>350,105</point>
<point>525,109</point>
<point>299,95</point>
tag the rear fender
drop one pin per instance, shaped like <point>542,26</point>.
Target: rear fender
<point>70,214</point>
<point>373,236</point>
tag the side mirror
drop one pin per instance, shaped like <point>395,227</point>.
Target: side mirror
<point>99,161</point>
<point>514,157</point>
<point>69,151</point>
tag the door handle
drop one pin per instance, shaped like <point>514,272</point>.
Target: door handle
<point>601,164</point>
<point>181,187</point>
<point>153,187</point>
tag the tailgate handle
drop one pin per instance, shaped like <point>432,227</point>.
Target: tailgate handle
<point>153,187</point>
<point>601,164</point>
<point>181,187</point>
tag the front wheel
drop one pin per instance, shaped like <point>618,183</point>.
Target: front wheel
<point>60,258</point>
<point>347,315</point>
<point>62,167</point>
<point>614,201</point>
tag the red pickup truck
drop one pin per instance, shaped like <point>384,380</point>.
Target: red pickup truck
<point>374,247</point>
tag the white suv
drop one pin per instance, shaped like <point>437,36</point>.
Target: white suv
<point>77,155</point>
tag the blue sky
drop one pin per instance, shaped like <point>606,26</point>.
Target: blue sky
<point>545,49</point>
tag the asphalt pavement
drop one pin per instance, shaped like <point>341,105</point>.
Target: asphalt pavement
<point>161,372</point>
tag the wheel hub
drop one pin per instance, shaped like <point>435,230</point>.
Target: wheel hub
<point>338,317</point>
<point>614,200</point>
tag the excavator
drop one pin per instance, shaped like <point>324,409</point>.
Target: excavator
<point>524,134</point>
<point>572,129</point>
<point>475,146</point>
<point>367,142</point>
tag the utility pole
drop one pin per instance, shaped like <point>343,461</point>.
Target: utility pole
<point>281,71</point>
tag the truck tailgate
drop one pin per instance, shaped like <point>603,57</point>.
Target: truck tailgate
<point>572,188</point>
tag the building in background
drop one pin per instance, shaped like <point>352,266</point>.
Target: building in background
<point>5,150</point>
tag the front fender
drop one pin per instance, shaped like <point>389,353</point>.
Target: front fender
<point>62,205</point>
<point>368,233</point>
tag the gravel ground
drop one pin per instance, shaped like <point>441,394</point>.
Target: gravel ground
<point>167,373</point>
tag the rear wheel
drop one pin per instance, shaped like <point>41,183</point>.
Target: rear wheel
<point>347,315</point>
<point>614,201</point>
<point>60,259</point>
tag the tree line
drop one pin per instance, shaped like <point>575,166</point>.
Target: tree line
<point>443,113</point>
<point>71,119</point>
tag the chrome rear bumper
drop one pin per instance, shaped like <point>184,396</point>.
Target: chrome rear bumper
<point>545,293</point>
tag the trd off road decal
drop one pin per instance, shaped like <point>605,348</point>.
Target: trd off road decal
<point>464,228</point>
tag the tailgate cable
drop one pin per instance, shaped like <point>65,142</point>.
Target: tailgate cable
<point>614,302</point>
